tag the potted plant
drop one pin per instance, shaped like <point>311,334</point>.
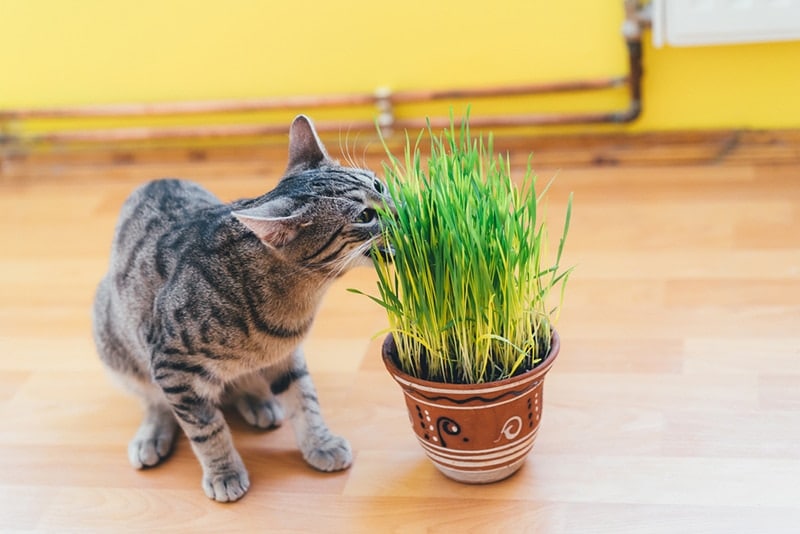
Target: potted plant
<point>468,294</point>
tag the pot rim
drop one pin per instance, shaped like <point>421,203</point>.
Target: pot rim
<point>532,374</point>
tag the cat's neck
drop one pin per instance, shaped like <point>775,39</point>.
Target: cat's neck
<point>282,287</point>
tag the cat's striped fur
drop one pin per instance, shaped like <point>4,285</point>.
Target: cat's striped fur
<point>206,304</point>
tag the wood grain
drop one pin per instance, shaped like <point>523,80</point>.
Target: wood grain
<point>674,406</point>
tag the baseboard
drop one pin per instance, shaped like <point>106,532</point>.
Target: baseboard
<point>717,147</point>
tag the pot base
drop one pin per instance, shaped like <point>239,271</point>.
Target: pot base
<point>480,466</point>
<point>480,477</point>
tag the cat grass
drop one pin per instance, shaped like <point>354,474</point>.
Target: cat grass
<point>468,287</point>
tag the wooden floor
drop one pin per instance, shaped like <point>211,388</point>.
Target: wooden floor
<point>674,406</point>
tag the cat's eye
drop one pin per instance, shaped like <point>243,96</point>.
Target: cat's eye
<point>367,216</point>
<point>378,186</point>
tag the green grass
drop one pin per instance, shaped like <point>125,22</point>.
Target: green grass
<point>467,291</point>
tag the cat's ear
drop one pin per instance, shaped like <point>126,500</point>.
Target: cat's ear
<point>275,222</point>
<point>306,151</point>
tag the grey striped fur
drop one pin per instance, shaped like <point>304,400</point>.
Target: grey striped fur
<point>206,304</point>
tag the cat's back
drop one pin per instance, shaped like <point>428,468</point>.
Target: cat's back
<point>155,210</point>
<point>157,206</point>
<point>167,199</point>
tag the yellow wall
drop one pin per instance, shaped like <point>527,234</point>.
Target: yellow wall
<point>62,52</point>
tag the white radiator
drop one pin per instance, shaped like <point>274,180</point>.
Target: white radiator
<point>708,22</point>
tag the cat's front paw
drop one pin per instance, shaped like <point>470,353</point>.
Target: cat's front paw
<point>226,486</point>
<point>330,454</point>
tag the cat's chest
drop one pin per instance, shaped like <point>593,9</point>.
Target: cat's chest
<point>263,349</point>
<point>254,353</point>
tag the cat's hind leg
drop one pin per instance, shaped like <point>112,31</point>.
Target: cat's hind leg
<point>155,438</point>
<point>253,399</point>
<point>260,412</point>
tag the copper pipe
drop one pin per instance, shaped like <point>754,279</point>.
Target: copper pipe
<point>636,19</point>
<point>259,130</point>
<point>304,101</point>
<point>190,132</point>
<point>426,95</point>
<point>511,121</point>
<point>191,108</point>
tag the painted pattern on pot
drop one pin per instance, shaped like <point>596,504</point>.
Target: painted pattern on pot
<point>476,433</point>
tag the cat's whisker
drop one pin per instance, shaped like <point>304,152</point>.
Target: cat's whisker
<point>343,150</point>
<point>364,154</point>
<point>340,265</point>
<point>346,152</point>
<point>351,150</point>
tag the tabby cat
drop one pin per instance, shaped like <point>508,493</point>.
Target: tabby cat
<point>206,304</point>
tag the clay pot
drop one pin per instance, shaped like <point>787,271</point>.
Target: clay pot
<point>474,433</point>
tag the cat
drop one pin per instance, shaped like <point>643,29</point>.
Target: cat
<point>205,305</point>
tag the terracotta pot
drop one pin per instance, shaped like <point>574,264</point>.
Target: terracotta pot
<point>474,433</point>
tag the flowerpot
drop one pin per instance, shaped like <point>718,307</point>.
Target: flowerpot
<point>474,433</point>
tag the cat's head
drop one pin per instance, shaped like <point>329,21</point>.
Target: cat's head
<point>321,216</point>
